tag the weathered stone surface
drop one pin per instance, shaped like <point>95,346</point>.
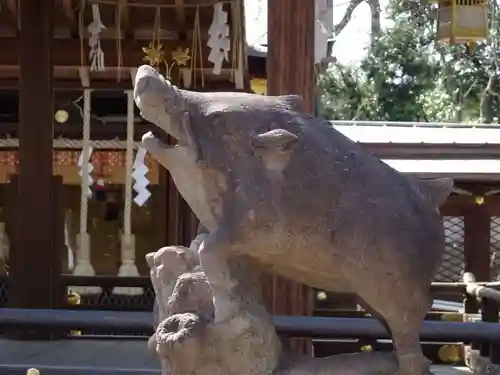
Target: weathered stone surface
<point>188,341</point>
<point>166,265</point>
<point>291,193</point>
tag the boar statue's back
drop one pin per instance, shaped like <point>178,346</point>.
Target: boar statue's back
<point>311,203</point>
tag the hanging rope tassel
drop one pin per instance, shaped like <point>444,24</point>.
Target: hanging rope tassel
<point>83,263</point>
<point>128,267</point>
<point>96,54</point>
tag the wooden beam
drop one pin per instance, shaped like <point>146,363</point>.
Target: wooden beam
<point>180,16</point>
<point>459,205</point>
<point>12,84</point>
<point>73,130</point>
<point>477,257</point>
<point>456,205</point>
<point>12,5</point>
<point>123,16</point>
<point>290,58</point>
<point>69,13</point>
<point>72,84</point>
<point>67,52</point>
<point>36,231</point>
<point>237,15</point>
<point>151,3</point>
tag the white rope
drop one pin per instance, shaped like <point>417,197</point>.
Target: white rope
<point>128,267</point>
<point>84,198</point>
<point>83,262</point>
<point>71,257</point>
<point>4,243</point>
<point>129,160</point>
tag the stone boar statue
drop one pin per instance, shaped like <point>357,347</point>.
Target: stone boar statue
<point>271,182</point>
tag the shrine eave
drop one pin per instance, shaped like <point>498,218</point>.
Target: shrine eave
<point>424,141</point>
<point>72,131</point>
<point>132,31</point>
<point>464,169</point>
<point>421,133</point>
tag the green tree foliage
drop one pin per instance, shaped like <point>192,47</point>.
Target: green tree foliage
<point>408,76</point>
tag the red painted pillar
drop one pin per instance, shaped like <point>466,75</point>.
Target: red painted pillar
<point>290,70</point>
<point>36,255</point>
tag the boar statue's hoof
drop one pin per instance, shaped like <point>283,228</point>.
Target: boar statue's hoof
<point>413,364</point>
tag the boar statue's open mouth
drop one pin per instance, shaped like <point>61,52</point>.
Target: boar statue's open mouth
<point>162,104</point>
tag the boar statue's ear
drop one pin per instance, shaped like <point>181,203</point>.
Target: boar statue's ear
<point>276,139</point>
<point>275,147</point>
<point>292,102</point>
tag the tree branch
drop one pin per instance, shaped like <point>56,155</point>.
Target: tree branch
<point>376,29</point>
<point>487,97</point>
<point>353,4</point>
<point>486,105</point>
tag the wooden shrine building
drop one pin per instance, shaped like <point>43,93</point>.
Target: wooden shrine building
<point>66,111</point>
<point>66,114</point>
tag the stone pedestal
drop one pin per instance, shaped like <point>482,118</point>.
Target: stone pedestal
<point>187,341</point>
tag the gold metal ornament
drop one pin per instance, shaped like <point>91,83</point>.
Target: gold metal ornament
<point>452,317</point>
<point>154,54</point>
<point>181,56</point>
<point>450,353</point>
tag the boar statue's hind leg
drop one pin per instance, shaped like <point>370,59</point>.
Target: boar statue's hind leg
<point>403,324</point>
<point>409,352</point>
<point>405,332</point>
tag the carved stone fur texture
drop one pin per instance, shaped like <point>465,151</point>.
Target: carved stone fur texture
<point>287,190</point>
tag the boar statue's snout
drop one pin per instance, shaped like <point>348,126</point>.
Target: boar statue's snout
<point>149,87</point>
<point>160,102</point>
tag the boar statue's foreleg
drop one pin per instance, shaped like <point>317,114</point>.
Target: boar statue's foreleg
<point>213,256</point>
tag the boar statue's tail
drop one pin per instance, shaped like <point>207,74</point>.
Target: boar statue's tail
<point>436,190</point>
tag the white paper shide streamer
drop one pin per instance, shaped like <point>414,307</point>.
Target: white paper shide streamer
<point>86,167</point>
<point>96,54</point>
<point>219,42</point>
<point>83,263</point>
<point>128,268</point>
<point>139,174</point>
